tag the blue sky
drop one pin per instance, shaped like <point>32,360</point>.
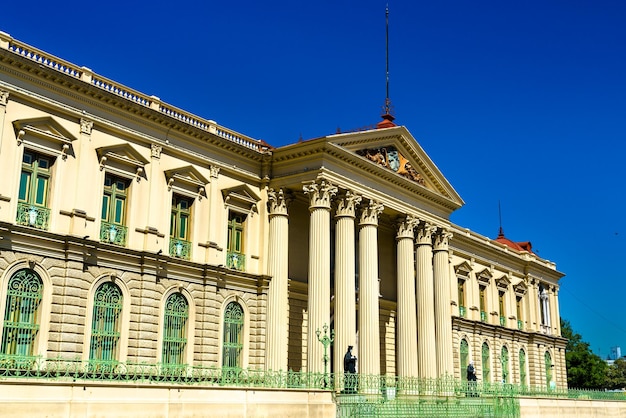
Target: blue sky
<point>522,103</point>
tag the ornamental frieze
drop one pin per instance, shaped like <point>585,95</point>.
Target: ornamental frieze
<point>390,158</point>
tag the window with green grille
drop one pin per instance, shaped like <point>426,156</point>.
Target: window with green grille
<point>549,367</point>
<point>35,178</point>
<point>232,346</point>
<point>504,363</point>
<point>180,225</point>
<point>21,315</point>
<point>486,363</point>
<point>482,293</point>
<point>461,289</point>
<point>522,367</point>
<point>114,199</point>
<point>235,257</point>
<point>105,324</point>
<point>175,329</point>
<point>464,349</point>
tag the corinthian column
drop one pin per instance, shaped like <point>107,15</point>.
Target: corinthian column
<point>407,324</point>
<point>443,320</point>
<point>277,267</point>
<point>369,334</point>
<point>426,348</point>
<point>345,289</point>
<point>320,193</point>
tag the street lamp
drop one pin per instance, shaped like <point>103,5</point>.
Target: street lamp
<point>326,341</point>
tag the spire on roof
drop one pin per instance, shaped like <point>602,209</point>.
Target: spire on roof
<point>388,118</point>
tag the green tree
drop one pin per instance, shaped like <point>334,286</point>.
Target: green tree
<point>585,369</point>
<point>616,375</point>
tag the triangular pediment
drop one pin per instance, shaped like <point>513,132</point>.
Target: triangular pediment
<point>44,134</point>
<point>520,288</point>
<point>395,151</point>
<point>122,159</point>
<point>186,180</point>
<point>503,282</point>
<point>463,270</point>
<point>484,277</point>
<point>241,196</point>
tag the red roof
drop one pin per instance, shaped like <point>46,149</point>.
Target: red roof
<point>517,246</point>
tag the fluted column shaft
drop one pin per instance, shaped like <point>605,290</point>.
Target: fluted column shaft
<point>345,287</point>
<point>369,332</point>
<point>320,194</point>
<point>276,345</point>
<point>426,349</point>
<point>407,320</point>
<point>443,320</point>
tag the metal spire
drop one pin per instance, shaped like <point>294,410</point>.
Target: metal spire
<point>387,116</point>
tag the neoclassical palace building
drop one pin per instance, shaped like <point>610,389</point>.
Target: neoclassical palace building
<point>134,232</point>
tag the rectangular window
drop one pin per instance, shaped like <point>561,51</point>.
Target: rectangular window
<point>461,286</point>
<point>501,308</point>
<point>33,190</point>
<point>235,255</point>
<point>180,223</point>
<point>518,308</point>
<point>113,216</point>
<point>483,302</point>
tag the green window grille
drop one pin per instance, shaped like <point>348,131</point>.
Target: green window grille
<point>175,329</point>
<point>522,367</point>
<point>235,257</point>
<point>21,315</point>
<point>504,362</point>
<point>233,336</point>
<point>32,208</point>
<point>180,223</point>
<point>113,216</point>
<point>105,325</point>
<point>464,349</point>
<point>486,358</point>
<point>549,367</point>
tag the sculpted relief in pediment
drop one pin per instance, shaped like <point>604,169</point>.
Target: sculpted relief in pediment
<point>390,158</point>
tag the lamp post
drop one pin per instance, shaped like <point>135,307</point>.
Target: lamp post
<point>326,341</point>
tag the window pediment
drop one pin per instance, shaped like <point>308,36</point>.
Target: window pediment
<point>484,277</point>
<point>45,135</point>
<point>463,270</point>
<point>123,160</point>
<point>520,288</point>
<point>503,283</point>
<point>187,181</point>
<point>241,197</point>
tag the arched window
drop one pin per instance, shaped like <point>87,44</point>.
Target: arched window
<point>549,366</point>
<point>21,314</point>
<point>175,329</point>
<point>522,367</point>
<point>464,350</point>
<point>233,336</point>
<point>486,358</point>
<point>504,362</point>
<point>105,325</point>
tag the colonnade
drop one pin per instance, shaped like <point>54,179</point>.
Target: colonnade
<point>424,330</point>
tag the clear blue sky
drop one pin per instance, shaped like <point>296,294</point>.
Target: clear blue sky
<point>518,102</point>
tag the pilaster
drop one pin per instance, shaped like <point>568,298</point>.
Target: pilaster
<point>4,100</point>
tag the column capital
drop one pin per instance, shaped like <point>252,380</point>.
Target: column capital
<point>215,171</point>
<point>278,202</point>
<point>425,232</point>
<point>320,193</point>
<point>441,239</point>
<point>4,97</point>
<point>370,212</point>
<point>155,151</point>
<point>346,204</point>
<point>405,226</point>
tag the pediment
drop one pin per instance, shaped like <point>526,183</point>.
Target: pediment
<point>484,277</point>
<point>520,288</point>
<point>503,282</point>
<point>44,134</point>
<point>463,270</point>
<point>396,151</point>
<point>186,180</point>
<point>242,197</point>
<point>122,159</point>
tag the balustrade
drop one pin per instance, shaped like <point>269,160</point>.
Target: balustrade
<point>113,233</point>
<point>32,215</point>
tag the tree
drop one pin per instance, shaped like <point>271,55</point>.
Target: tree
<point>585,369</point>
<point>616,375</point>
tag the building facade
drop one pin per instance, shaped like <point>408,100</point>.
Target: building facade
<point>133,232</point>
